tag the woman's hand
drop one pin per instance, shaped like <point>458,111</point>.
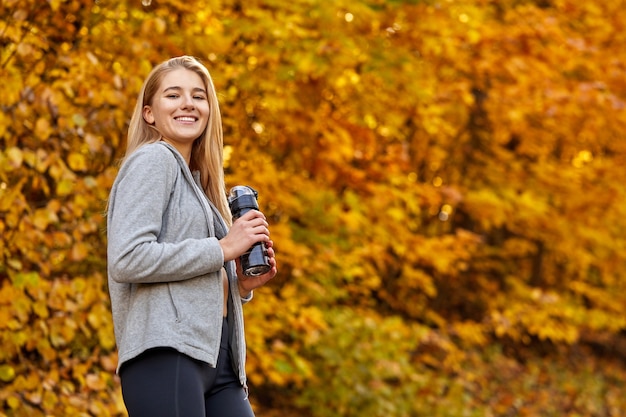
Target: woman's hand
<point>247,230</point>
<point>246,283</point>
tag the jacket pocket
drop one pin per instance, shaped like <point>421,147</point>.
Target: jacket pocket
<point>171,297</point>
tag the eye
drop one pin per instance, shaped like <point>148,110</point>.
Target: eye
<point>199,97</point>
<point>172,96</point>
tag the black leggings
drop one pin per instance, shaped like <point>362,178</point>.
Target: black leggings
<point>163,382</point>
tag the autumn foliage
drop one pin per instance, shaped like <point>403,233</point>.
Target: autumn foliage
<point>444,180</point>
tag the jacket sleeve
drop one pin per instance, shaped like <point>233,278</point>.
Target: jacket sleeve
<point>137,203</point>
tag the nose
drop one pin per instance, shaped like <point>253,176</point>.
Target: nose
<point>187,102</point>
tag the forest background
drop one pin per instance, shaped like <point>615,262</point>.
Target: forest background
<point>444,180</point>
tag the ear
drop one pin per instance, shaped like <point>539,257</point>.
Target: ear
<point>147,115</point>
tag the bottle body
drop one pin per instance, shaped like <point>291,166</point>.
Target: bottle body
<point>255,261</point>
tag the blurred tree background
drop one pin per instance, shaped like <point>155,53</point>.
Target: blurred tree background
<point>444,179</point>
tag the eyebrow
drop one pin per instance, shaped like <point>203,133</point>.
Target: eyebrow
<point>176,88</point>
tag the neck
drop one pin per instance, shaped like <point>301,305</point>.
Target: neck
<point>183,149</point>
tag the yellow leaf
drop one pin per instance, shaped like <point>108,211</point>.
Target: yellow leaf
<point>94,142</point>
<point>25,279</point>
<point>15,157</point>
<point>105,336</point>
<point>4,122</point>
<point>79,120</point>
<point>42,128</point>
<point>40,309</point>
<point>43,217</point>
<point>79,251</point>
<point>95,318</point>
<point>54,4</point>
<point>24,49</point>
<point>95,382</point>
<point>7,373</point>
<point>77,161</point>
<point>50,399</point>
<point>65,187</point>
<point>46,350</point>
<point>13,402</point>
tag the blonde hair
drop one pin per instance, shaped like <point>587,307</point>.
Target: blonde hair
<point>207,152</point>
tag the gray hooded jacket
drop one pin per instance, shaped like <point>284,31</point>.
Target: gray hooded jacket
<point>165,262</point>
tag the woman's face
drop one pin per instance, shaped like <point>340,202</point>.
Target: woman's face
<point>179,109</point>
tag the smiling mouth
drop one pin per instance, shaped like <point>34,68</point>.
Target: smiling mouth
<point>185,119</point>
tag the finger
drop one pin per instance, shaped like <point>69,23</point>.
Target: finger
<point>259,221</point>
<point>261,230</point>
<point>253,214</point>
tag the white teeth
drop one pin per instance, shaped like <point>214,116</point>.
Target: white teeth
<point>185,119</point>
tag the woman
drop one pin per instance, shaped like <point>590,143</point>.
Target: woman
<point>175,281</point>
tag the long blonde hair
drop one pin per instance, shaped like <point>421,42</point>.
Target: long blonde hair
<point>207,154</point>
